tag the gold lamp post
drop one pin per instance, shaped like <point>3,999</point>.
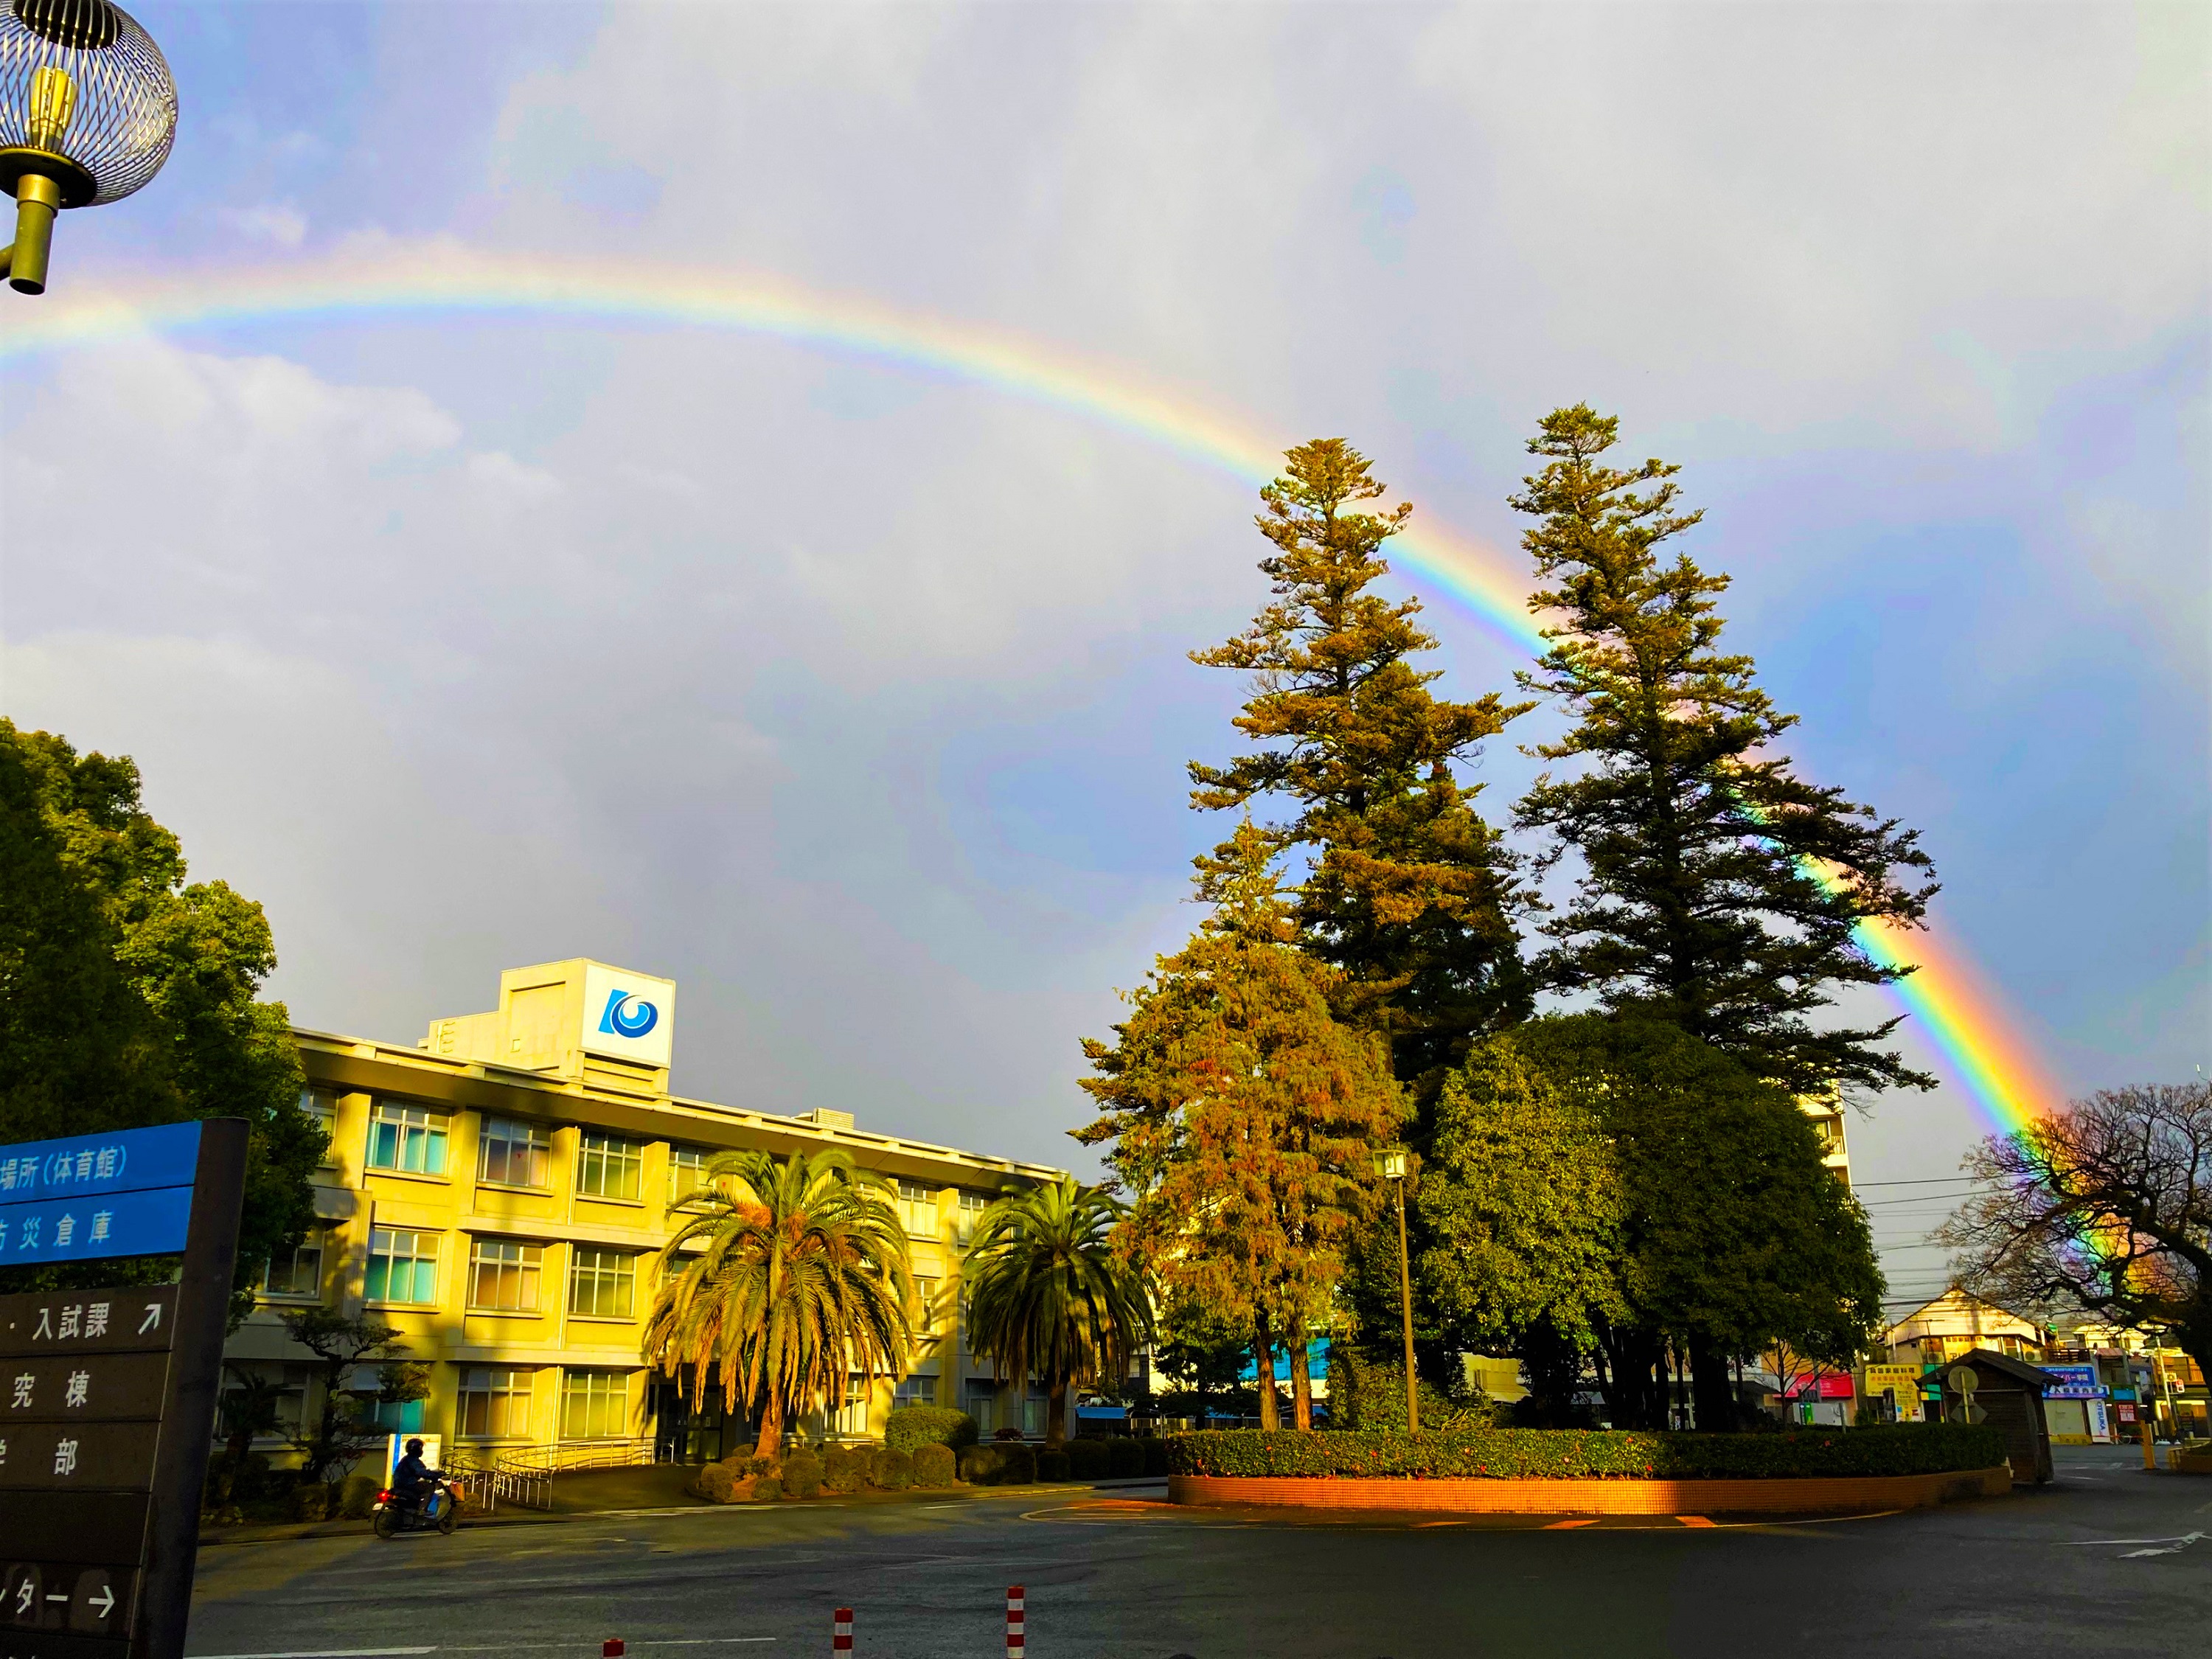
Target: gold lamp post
<point>88,114</point>
<point>1390,1164</point>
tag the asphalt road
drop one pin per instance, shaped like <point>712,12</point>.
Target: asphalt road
<point>2108,1559</point>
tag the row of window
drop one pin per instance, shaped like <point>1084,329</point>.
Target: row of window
<point>504,1275</point>
<point>412,1140</point>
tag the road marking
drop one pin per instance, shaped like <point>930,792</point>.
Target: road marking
<point>1579,1520</point>
<point>322,1653</point>
<point>2178,1544</point>
<point>1695,1521</point>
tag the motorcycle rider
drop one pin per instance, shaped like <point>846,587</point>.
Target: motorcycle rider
<point>409,1476</point>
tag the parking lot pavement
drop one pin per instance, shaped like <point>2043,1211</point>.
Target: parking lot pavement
<point>2107,1557</point>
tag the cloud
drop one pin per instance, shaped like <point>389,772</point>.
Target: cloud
<point>278,222</point>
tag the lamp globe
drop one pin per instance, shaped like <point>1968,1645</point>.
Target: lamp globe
<point>88,115</point>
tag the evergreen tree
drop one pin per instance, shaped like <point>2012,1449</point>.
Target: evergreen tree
<point>1241,1113</point>
<point>128,996</point>
<point>1719,889</point>
<point>1410,893</point>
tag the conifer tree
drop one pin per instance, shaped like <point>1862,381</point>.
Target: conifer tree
<point>1411,893</point>
<point>1241,1113</point>
<point>1719,889</point>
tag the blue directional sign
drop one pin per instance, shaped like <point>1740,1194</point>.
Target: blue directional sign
<point>126,1192</point>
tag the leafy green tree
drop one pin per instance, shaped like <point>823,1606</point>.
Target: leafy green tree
<point>128,996</point>
<point>1202,1359</point>
<point>1241,1113</point>
<point>1522,1206</point>
<point>1411,894</point>
<point>1733,1233</point>
<point>1719,890</point>
<point>1048,1298</point>
<point>2105,1208</point>
<point>787,1275</point>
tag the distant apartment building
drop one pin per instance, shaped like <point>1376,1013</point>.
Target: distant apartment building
<point>497,1193</point>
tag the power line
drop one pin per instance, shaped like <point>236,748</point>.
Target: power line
<point>1929,1180</point>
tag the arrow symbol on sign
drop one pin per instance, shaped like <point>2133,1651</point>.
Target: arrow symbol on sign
<point>153,1318</point>
<point>104,1601</point>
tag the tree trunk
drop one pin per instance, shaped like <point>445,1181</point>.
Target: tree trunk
<point>771,1429</point>
<point>1712,1392</point>
<point>1263,1356</point>
<point>1056,1425</point>
<point>1301,1389</point>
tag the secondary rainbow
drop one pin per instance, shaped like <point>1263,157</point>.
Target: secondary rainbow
<point>1995,1064</point>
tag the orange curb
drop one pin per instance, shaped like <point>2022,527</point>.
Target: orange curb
<point>1593,1496</point>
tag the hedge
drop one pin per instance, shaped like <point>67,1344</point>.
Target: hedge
<point>890,1469</point>
<point>1009,1463</point>
<point>1566,1454</point>
<point>802,1475</point>
<point>845,1468</point>
<point>1087,1459</point>
<point>1125,1459</point>
<point>911,1427</point>
<point>932,1465</point>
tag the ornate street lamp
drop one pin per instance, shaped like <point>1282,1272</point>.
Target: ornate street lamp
<point>1390,1164</point>
<point>87,114</point>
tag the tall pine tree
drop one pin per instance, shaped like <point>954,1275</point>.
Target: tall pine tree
<point>1410,894</point>
<point>1240,1115</point>
<point>1719,889</point>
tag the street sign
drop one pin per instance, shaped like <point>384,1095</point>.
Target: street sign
<point>1963,1379</point>
<point>126,1192</point>
<point>107,1397</point>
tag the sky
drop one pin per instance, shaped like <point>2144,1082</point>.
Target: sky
<point>853,695</point>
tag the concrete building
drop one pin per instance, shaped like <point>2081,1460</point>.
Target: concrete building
<point>1955,1322</point>
<point>496,1193</point>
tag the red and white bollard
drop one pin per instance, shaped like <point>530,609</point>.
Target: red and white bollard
<point>1014,1600</point>
<point>841,1631</point>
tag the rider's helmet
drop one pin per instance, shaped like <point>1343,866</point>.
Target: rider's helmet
<point>414,1449</point>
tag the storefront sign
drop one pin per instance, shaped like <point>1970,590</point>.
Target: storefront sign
<point>2073,1382</point>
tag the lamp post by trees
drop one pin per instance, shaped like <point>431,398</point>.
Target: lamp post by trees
<point>88,115</point>
<point>1390,1165</point>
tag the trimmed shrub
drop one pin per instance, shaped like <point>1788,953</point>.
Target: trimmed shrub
<point>1007,1464</point>
<point>761,1489</point>
<point>1611,1454</point>
<point>357,1498</point>
<point>845,1469</point>
<point>1086,1460</point>
<point>802,1475</point>
<point>311,1501</point>
<point>911,1427</point>
<point>1009,1432</point>
<point>1369,1391</point>
<point>760,1465</point>
<point>1125,1459</point>
<point>1053,1463</point>
<point>1156,1455</point>
<point>932,1467</point>
<point>715,1483</point>
<point>890,1469</point>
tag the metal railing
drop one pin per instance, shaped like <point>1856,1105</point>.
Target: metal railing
<point>524,1474</point>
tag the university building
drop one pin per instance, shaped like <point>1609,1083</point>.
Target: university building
<point>497,1193</point>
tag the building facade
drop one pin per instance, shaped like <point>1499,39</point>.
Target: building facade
<point>498,1192</point>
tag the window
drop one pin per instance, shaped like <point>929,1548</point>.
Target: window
<point>402,1265</point>
<point>594,1405</point>
<point>924,1297</point>
<point>494,1404</point>
<point>600,1282</point>
<point>972,1205</point>
<point>396,1416</point>
<point>512,1154</point>
<point>1033,1415</point>
<point>982,1406</point>
<point>321,1107</point>
<point>917,1208</point>
<point>915,1391</point>
<point>298,1271</point>
<point>503,1275</point>
<point>406,1138</point>
<point>609,1167</point>
<point>852,1417</point>
<point>273,1418</point>
<point>687,1168</point>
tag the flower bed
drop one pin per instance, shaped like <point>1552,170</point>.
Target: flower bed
<point>1579,1454</point>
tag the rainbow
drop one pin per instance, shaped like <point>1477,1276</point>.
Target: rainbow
<point>1989,1058</point>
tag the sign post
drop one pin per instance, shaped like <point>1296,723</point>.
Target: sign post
<point>108,1397</point>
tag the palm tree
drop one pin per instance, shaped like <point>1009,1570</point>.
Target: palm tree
<point>803,1278</point>
<point>1045,1294</point>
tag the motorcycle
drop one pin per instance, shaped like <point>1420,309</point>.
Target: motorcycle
<point>439,1510</point>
